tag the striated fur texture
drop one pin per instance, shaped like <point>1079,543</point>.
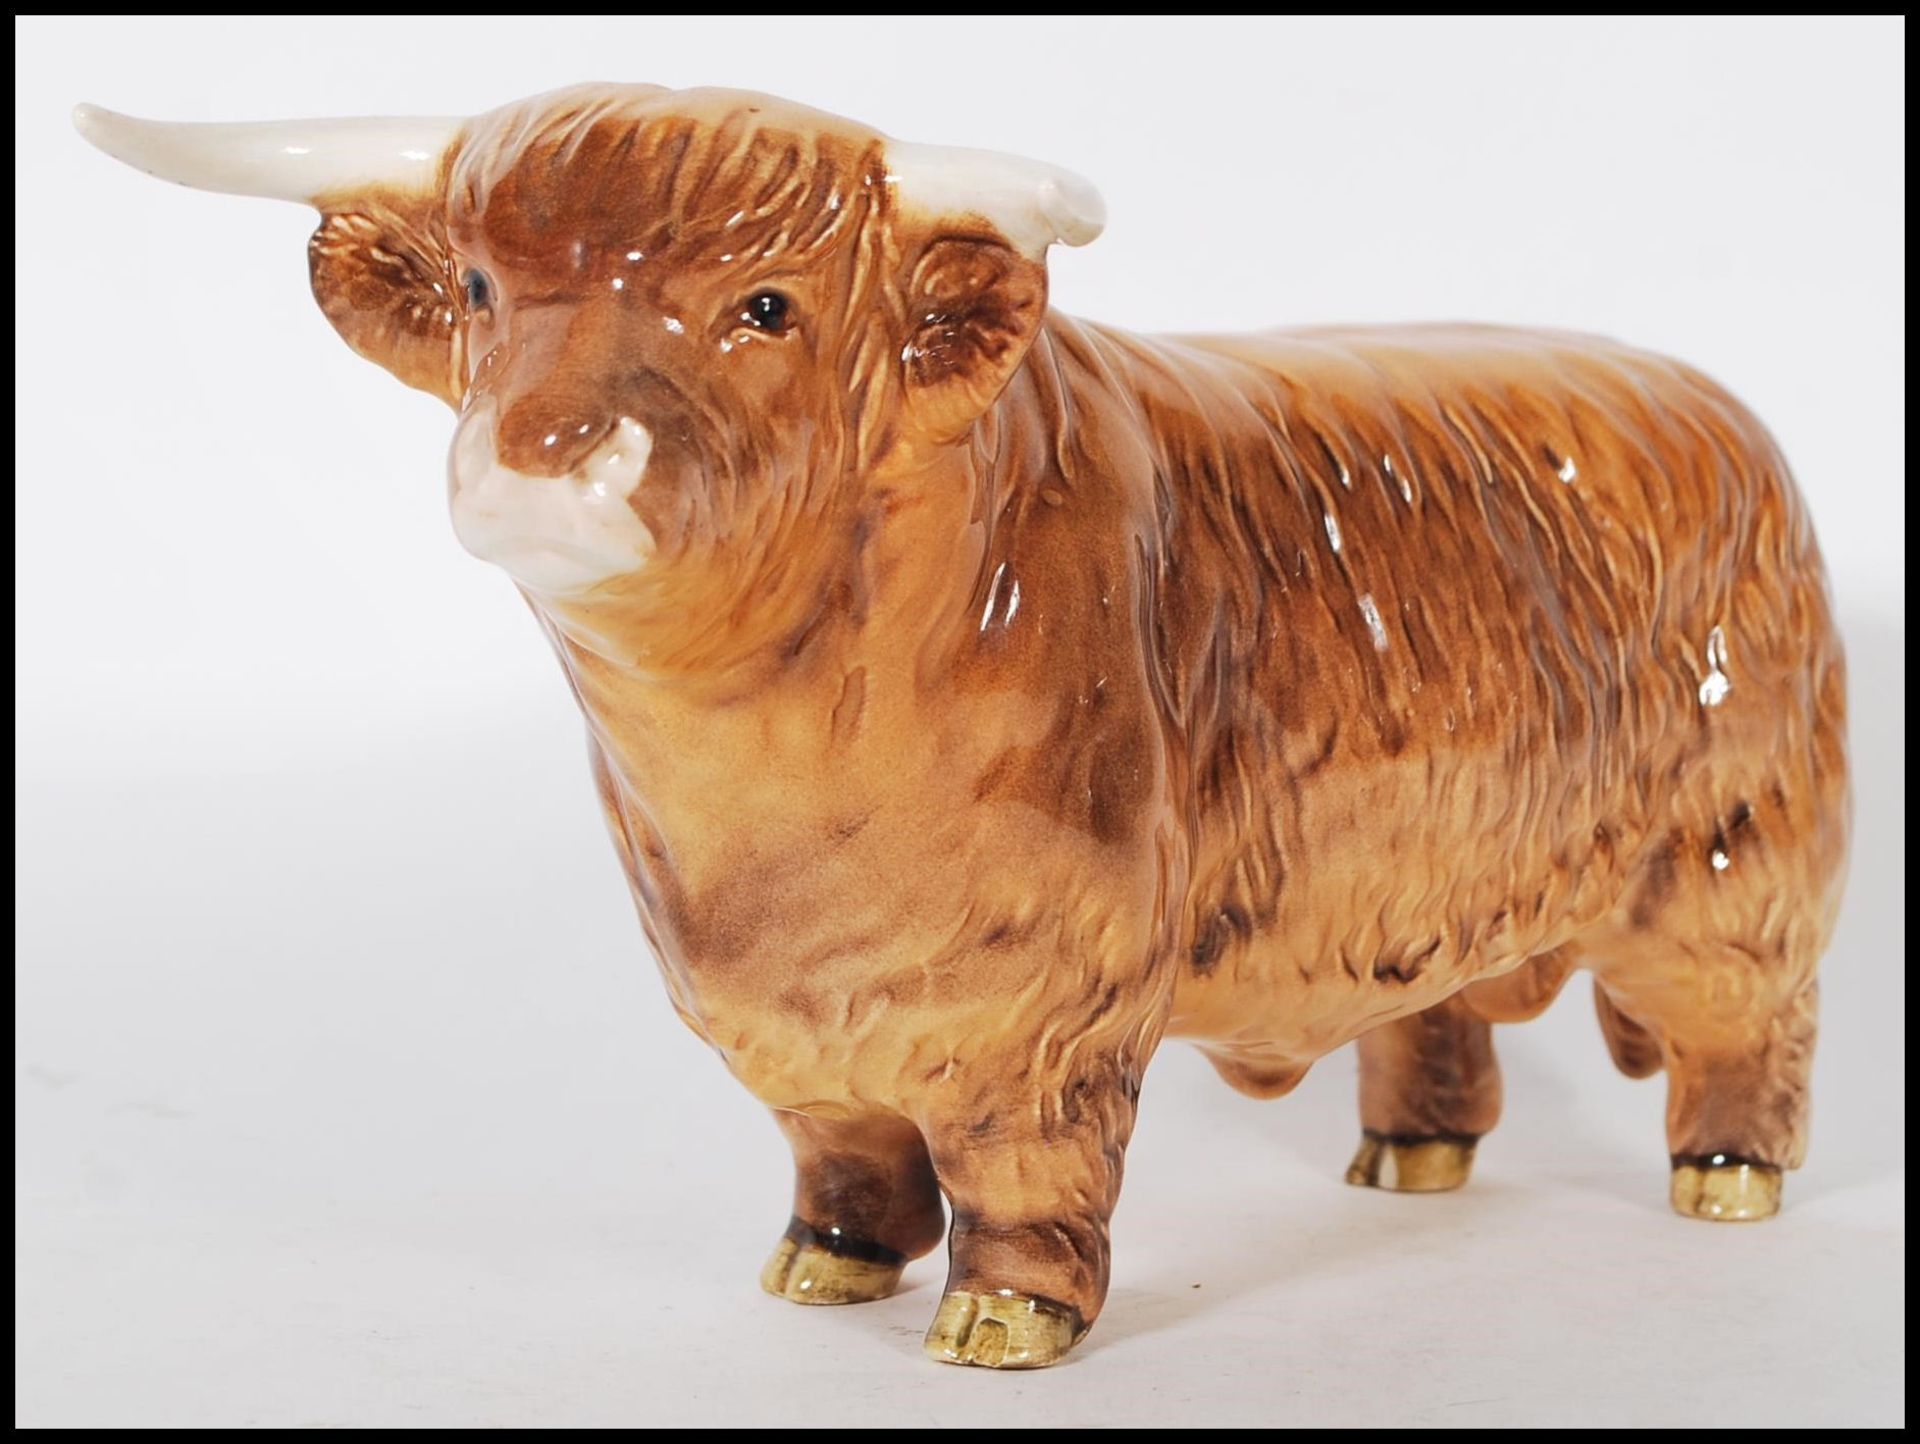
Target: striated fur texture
<point>1000,694</point>
<point>1264,693</point>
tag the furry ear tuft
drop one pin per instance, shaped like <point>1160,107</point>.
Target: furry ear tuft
<point>389,291</point>
<point>974,307</point>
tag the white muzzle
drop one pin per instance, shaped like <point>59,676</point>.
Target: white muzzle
<point>559,536</point>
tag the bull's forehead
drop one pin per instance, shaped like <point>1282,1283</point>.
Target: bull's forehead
<point>582,160</point>
<point>562,176</point>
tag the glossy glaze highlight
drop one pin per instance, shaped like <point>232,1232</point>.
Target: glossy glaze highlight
<point>978,696</point>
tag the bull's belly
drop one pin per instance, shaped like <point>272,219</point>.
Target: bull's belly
<point>1280,1007</point>
<point>1378,928</point>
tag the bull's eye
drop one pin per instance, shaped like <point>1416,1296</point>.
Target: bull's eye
<point>479,291</point>
<point>767,311</point>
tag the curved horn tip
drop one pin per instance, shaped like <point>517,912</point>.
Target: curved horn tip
<point>289,160</point>
<point>115,135</point>
<point>1075,208</point>
<point>1032,204</point>
<point>94,121</point>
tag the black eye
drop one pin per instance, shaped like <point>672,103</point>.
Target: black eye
<point>479,291</point>
<point>767,310</point>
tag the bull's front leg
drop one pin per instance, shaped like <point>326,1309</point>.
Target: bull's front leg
<point>865,1201</point>
<point>1031,1164</point>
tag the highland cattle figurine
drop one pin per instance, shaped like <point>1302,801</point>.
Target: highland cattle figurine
<point>979,696</point>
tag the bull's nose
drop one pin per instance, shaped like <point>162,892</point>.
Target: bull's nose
<point>543,440</point>
<point>561,533</point>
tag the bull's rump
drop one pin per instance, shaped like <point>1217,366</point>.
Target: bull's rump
<point>1467,624</point>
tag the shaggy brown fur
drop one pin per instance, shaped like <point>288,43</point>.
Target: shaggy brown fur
<point>1007,693</point>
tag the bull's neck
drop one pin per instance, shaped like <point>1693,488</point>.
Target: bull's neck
<point>868,605</point>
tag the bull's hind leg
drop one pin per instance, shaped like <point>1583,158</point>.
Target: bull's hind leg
<point>864,1202</point>
<point>1429,1088</point>
<point>1430,1085</point>
<point>1735,1032</point>
<point>1708,970</point>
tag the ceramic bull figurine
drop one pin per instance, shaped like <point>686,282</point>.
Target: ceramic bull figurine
<point>979,696</point>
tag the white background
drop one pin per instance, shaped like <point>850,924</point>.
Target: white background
<point>347,1092</point>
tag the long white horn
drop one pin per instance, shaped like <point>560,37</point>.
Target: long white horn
<point>1031,204</point>
<point>290,160</point>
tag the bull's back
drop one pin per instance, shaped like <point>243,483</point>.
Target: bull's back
<point>1455,620</point>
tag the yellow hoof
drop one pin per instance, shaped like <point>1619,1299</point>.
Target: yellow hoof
<point>808,1274</point>
<point>1001,1331</point>
<point>1426,1165</point>
<point>1726,1190</point>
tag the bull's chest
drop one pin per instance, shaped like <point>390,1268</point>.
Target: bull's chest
<point>780,865</point>
<point>840,916</point>
<point>810,935</point>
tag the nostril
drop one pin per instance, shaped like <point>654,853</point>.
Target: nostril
<point>622,456</point>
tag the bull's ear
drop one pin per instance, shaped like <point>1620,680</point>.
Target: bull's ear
<point>974,307</point>
<point>386,284</point>
<point>978,296</point>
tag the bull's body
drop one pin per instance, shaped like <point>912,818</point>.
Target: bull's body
<point>1286,685</point>
<point>979,696</point>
